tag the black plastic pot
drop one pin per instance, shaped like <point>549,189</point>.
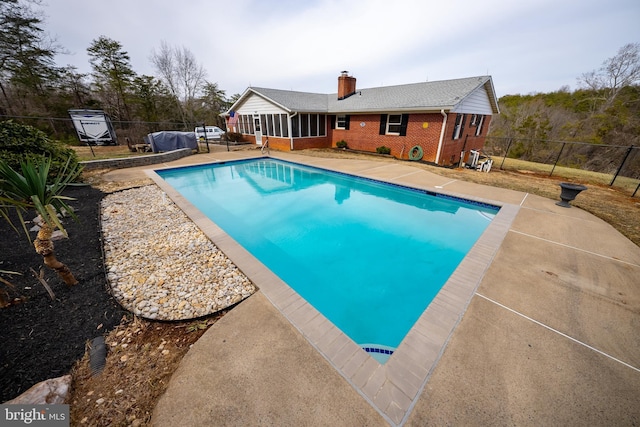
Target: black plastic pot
<point>569,192</point>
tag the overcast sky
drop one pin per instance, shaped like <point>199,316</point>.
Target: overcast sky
<point>526,46</point>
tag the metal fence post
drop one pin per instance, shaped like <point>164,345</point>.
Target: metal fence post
<point>558,158</point>
<point>506,153</point>
<point>621,164</point>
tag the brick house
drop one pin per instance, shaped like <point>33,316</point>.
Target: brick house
<point>431,121</point>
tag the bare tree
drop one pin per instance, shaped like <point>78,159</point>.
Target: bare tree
<point>181,73</point>
<point>617,72</point>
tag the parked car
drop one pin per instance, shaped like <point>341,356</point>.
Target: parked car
<point>212,133</point>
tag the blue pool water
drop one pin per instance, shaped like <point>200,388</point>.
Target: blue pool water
<point>369,256</point>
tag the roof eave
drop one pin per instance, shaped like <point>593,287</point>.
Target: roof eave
<point>431,109</point>
<point>250,91</point>
<point>493,97</point>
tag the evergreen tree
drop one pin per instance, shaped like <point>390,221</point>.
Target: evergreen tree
<point>27,67</point>
<point>113,75</point>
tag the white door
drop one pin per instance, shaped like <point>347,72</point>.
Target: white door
<point>257,130</point>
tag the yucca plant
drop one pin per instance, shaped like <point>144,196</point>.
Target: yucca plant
<point>32,189</point>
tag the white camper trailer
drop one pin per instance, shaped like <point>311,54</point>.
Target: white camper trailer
<point>93,127</point>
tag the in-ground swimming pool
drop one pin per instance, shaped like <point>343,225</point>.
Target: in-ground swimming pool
<point>369,256</point>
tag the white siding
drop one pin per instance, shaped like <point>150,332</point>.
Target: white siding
<point>477,102</point>
<point>255,103</point>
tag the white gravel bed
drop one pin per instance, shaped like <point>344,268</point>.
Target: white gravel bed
<point>159,264</point>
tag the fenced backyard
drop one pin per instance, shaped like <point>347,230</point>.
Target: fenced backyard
<point>611,165</point>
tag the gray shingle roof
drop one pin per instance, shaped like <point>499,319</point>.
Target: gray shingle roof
<point>295,101</point>
<point>444,94</point>
<point>417,96</point>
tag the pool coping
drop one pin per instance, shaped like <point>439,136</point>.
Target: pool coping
<point>393,388</point>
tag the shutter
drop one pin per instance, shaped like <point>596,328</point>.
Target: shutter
<point>333,122</point>
<point>403,125</point>
<point>464,116</point>
<point>347,119</point>
<point>383,124</point>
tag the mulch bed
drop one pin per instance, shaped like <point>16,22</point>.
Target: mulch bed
<point>43,338</point>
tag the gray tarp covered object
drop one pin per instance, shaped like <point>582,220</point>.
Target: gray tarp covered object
<point>171,140</point>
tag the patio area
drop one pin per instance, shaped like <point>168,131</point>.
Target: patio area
<point>549,335</point>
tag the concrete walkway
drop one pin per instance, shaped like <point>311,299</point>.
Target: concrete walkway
<point>550,335</point>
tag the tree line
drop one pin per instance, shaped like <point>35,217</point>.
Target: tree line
<point>605,109</point>
<point>603,114</point>
<point>178,97</point>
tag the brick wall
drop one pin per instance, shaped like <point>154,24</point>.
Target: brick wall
<point>422,129</point>
<point>283,144</point>
<point>316,142</point>
<point>468,140</point>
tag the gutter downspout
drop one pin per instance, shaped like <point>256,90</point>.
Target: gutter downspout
<point>291,135</point>
<point>444,125</point>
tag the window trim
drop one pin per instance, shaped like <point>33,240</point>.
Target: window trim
<point>458,128</point>
<point>390,123</point>
<point>479,126</point>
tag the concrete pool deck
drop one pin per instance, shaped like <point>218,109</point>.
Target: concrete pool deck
<point>549,336</point>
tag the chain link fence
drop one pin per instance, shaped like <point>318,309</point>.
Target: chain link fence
<point>612,165</point>
<point>62,128</point>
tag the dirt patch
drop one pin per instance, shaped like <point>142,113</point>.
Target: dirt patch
<point>142,356</point>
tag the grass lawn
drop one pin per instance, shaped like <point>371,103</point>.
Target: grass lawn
<point>102,152</point>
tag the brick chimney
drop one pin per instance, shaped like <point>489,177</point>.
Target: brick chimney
<point>346,85</point>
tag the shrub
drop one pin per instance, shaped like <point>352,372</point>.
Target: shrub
<point>383,150</point>
<point>341,144</point>
<point>22,143</point>
<point>233,137</point>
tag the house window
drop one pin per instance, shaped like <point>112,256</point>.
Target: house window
<point>285,126</point>
<point>246,124</point>
<point>394,124</point>
<point>341,122</point>
<point>459,126</point>
<point>302,125</point>
<point>479,125</point>
<point>308,125</point>
<point>270,130</point>
<point>263,125</point>
<point>474,119</point>
<point>276,125</point>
